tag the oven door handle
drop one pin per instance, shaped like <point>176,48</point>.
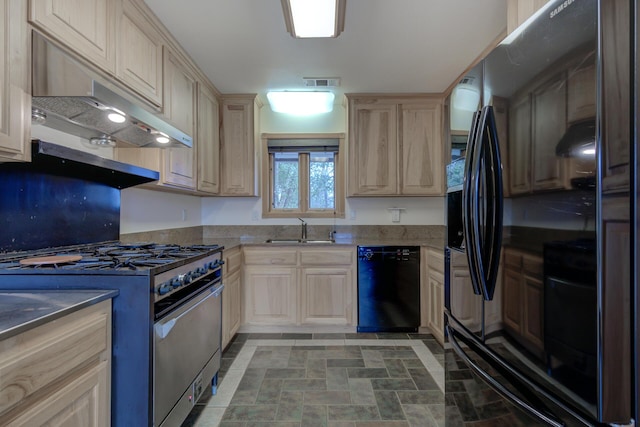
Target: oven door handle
<point>163,329</point>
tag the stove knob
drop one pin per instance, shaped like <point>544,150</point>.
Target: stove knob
<point>196,273</point>
<point>186,278</point>
<point>176,282</point>
<point>165,288</point>
<point>203,270</point>
<point>213,265</point>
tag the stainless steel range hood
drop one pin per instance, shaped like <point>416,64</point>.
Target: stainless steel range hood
<point>77,100</point>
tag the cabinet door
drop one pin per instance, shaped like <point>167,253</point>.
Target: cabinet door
<point>179,169</point>
<point>326,296</point>
<point>231,307</point>
<point>581,94</point>
<point>532,322</point>
<point>617,138</point>
<point>465,304</point>
<point>15,100</point>
<point>208,141</point>
<point>519,11</point>
<point>139,54</point>
<point>270,295</point>
<point>237,163</point>
<point>85,26</point>
<point>421,149</point>
<point>84,401</point>
<point>179,93</point>
<point>436,305</point>
<point>519,146</point>
<point>549,125</point>
<point>512,297</point>
<point>373,151</point>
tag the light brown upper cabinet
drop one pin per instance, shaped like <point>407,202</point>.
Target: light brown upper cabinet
<point>179,93</point>
<point>421,149</point>
<point>15,102</point>
<point>581,94</point>
<point>139,53</point>
<point>395,146</point>
<point>519,11</point>
<point>85,26</point>
<point>240,115</point>
<point>208,150</point>
<point>549,126</point>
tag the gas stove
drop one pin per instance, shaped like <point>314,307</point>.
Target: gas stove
<point>172,267</point>
<point>106,256</point>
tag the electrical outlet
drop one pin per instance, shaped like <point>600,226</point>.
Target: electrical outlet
<point>184,214</point>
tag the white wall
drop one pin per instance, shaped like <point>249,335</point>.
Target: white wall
<point>359,211</point>
<point>146,210</point>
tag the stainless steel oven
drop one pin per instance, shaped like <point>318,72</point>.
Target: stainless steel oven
<point>186,353</point>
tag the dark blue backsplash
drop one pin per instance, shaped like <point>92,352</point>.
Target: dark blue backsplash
<point>40,210</point>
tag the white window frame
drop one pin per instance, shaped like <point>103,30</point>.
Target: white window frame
<point>268,211</point>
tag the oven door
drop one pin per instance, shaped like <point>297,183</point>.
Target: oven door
<point>185,341</point>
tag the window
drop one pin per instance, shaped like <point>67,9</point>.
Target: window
<point>302,176</point>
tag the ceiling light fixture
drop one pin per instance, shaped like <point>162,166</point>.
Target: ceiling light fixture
<point>301,103</point>
<point>314,18</point>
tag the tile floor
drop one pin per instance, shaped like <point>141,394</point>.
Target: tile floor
<point>349,380</point>
<point>332,380</point>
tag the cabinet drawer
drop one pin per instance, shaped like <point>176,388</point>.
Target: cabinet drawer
<point>512,259</point>
<point>37,358</point>
<point>270,257</point>
<point>459,259</point>
<point>233,260</point>
<point>532,265</point>
<point>435,260</point>
<point>326,257</point>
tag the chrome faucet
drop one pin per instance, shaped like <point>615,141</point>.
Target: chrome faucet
<point>304,229</point>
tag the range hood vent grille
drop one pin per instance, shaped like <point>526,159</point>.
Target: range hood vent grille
<point>77,100</point>
<point>321,82</point>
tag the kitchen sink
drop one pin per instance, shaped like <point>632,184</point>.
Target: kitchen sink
<point>284,241</point>
<point>296,241</point>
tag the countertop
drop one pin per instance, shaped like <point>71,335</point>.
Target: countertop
<point>230,243</point>
<point>24,310</point>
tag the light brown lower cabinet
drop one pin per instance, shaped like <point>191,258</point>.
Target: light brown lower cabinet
<point>270,295</point>
<point>293,285</point>
<point>523,298</point>
<point>326,295</point>
<point>59,374</point>
<point>231,294</point>
<point>432,292</point>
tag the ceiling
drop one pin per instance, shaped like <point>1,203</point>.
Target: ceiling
<point>387,45</point>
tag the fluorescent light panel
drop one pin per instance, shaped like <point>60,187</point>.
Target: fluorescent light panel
<point>301,103</point>
<point>314,18</point>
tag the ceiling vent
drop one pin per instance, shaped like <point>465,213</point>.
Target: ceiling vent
<point>467,80</point>
<point>321,82</point>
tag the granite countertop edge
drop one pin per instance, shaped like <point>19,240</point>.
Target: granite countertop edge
<point>60,304</point>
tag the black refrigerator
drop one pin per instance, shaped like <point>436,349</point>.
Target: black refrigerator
<point>545,225</point>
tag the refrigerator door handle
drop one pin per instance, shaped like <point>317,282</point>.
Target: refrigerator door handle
<point>490,162</point>
<point>497,386</point>
<point>468,203</point>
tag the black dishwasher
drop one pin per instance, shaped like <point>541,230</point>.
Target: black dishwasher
<point>388,288</point>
